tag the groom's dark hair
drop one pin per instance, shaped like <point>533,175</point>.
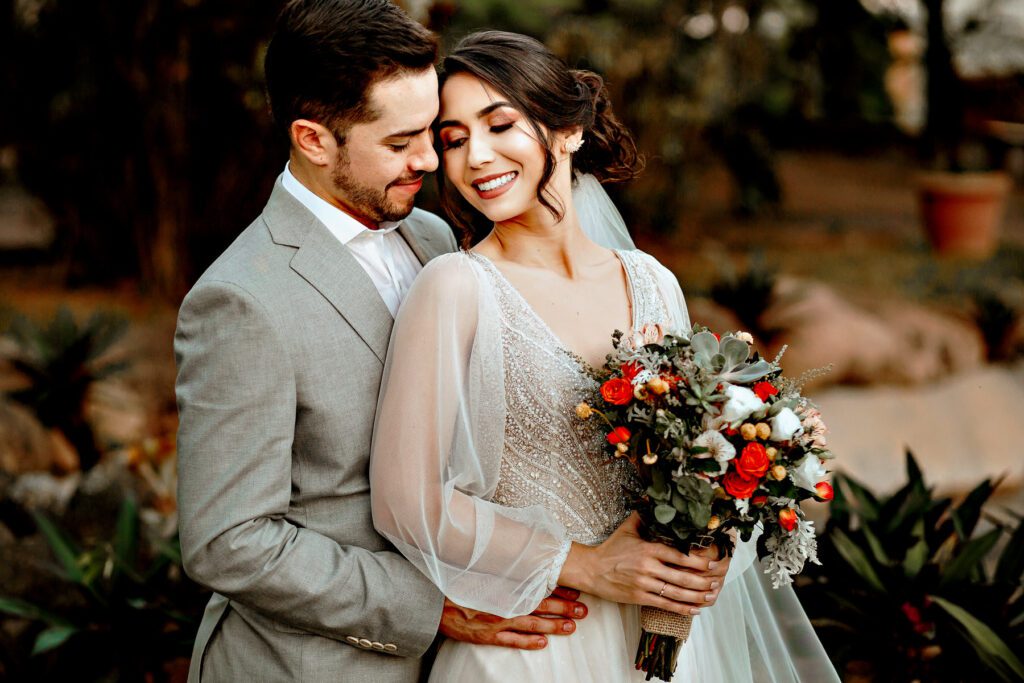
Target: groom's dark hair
<point>326,54</point>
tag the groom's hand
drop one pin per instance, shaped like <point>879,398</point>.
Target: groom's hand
<point>555,615</point>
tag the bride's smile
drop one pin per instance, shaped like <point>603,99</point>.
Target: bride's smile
<point>492,154</point>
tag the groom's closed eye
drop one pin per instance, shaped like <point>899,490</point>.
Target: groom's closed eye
<point>398,142</point>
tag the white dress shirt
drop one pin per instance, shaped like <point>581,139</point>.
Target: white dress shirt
<point>383,253</point>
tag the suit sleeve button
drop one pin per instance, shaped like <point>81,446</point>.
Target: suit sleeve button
<point>377,646</point>
<point>363,642</point>
<point>352,640</point>
<point>390,647</point>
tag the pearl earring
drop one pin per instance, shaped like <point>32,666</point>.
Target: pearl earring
<point>572,146</point>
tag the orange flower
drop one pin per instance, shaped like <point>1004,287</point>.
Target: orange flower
<point>753,461</point>
<point>630,370</point>
<point>787,519</point>
<point>823,491</point>
<point>764,390</point>
<point>738,486</point>
<point>759,500</point>
<point>617,391</point>
<point>619,435</point>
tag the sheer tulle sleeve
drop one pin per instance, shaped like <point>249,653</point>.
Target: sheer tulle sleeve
<point>437,450</point>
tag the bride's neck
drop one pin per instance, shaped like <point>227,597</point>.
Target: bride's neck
<point>543,242</point>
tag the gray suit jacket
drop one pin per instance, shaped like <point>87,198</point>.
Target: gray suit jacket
<point>280,348</point>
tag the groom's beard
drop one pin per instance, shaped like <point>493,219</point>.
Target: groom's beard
<point>371,202</point>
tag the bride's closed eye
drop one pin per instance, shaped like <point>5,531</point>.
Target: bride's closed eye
<point>448,143</point>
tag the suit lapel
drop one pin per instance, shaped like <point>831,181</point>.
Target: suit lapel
<point>419,243</point>
<point>330,268</point>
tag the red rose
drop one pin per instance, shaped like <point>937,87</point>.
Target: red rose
<point>787,519</point>
<point>716,336</point>
<point>764,390</point>
<point>617,391</point>
<point>630,370</point>
<point>753,461</point>
<point>618,435</point>
<point>823,491</point>
<point>759,500</point>
<point>738,486</point>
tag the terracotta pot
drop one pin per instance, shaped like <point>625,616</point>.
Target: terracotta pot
<point>962,211</point>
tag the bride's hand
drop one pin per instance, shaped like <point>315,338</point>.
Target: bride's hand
<point>627,569</point>
<point>554,616</point>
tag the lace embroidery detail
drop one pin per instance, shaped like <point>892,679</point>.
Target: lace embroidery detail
<point>552,458</point>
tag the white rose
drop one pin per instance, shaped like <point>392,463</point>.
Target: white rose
<point>808,472</point>
<point>786,425</point>
<point>745,337</point>
<point>740,404</point>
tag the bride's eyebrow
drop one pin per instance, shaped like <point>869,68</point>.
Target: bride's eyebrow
<point>480,114</point>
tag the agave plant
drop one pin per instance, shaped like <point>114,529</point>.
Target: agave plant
<point>60,361</point>
<point>914,587</point>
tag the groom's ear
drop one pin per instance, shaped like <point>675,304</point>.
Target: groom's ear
<point>313,141</point>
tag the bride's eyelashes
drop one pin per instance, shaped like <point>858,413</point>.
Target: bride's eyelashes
<point>455,143</point>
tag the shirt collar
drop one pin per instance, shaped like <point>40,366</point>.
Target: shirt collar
<point>342,226</point>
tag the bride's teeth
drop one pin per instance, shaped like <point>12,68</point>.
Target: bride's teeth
<point>496,183</point>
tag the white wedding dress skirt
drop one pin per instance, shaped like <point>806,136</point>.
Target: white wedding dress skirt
<point>752,634</point>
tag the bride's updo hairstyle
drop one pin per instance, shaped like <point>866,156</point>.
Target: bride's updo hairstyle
<point>553,98</point>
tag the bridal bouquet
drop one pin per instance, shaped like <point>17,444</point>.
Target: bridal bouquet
<point>722,443</point>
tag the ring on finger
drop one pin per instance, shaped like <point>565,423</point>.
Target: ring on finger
<point>664,585</point>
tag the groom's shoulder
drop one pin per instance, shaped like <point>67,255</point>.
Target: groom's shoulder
<point>431,226</point>
<point>247,255</point>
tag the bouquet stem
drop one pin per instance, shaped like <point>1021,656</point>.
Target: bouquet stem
<point>661,639</point>
<point>663,634</point>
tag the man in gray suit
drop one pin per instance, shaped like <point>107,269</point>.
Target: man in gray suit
<point>280,348</point>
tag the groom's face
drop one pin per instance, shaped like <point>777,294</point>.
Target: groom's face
<point>380,167</point>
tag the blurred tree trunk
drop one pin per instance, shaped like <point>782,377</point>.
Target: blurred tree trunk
<point>944,122</point>
<point>143,126</point>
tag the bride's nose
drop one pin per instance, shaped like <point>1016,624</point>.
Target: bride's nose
<point>480,153</point>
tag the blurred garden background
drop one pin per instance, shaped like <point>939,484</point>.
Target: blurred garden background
<point>843,177</point>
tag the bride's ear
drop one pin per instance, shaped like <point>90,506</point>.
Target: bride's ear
<point>570,141</point>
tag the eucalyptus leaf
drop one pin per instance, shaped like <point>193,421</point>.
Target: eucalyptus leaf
<point>664,513</point>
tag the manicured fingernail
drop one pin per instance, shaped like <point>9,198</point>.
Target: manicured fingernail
<point>709,597</point>
<point>579,612</point>
<point>712,564</point>
<point>694,610</point>
<point>568,626</point>
<point>542,642</point>
<point>714,585</point>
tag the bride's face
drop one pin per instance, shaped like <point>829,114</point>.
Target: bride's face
<point>491,152</point>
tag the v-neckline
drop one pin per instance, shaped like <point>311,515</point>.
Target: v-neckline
<point>582,362</point>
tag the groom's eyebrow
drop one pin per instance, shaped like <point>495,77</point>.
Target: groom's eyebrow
<point>480,114</point>
<point>406,133</point>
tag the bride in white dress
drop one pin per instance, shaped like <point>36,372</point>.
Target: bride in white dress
<point>482,475</point>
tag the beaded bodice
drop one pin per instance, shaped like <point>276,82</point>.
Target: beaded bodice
<point>551,457</point>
